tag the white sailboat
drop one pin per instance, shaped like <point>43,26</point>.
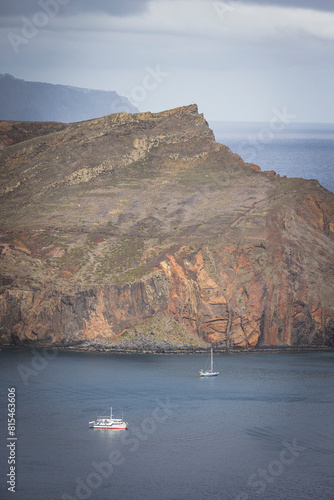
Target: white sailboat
<point>209,373</point>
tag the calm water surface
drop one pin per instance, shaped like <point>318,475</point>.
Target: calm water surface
<point>263,429</point>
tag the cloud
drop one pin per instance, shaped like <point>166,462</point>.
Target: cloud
<point>200,21</point>
<point>325,5</point>
<point>70,7</point>
<point>237,62</point>
<point>130,7</point>
<point>278,23</point>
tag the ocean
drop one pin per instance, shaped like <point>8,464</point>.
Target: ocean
<point>262,429</point>
<point>294,149</point>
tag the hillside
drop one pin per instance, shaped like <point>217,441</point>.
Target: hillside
<point>35,101</point>
<point>141,231</point>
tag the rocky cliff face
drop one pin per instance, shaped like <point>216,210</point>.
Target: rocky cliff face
<point>141,230</point>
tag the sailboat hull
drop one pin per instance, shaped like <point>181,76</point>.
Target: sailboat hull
<point>208,374</point>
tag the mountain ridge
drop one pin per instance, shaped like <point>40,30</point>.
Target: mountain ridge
<point>22,100</point>
<point>140,231</point>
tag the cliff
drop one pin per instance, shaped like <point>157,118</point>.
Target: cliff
<point>37,101</point>
<point>140,230</point>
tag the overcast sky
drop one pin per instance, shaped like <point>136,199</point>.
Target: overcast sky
<point>238,60</point>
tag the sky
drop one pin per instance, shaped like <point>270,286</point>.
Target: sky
<point>239,60</point>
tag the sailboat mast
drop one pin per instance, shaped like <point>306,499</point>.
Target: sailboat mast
<point>211,359</point>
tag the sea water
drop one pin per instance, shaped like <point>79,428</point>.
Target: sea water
<point>291,149</point>
<point>262,429</point>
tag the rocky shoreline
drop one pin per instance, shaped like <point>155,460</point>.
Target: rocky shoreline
<point>170,349</point>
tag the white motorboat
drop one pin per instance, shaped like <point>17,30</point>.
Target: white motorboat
<point>108,423</point>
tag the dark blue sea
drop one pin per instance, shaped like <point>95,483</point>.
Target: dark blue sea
<point>263,429</point>
<point>291,149</point>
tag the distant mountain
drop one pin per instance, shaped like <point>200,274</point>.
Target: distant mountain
<point>36,101</point>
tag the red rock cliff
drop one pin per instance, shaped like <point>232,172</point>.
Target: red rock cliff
<point>141,229</point>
